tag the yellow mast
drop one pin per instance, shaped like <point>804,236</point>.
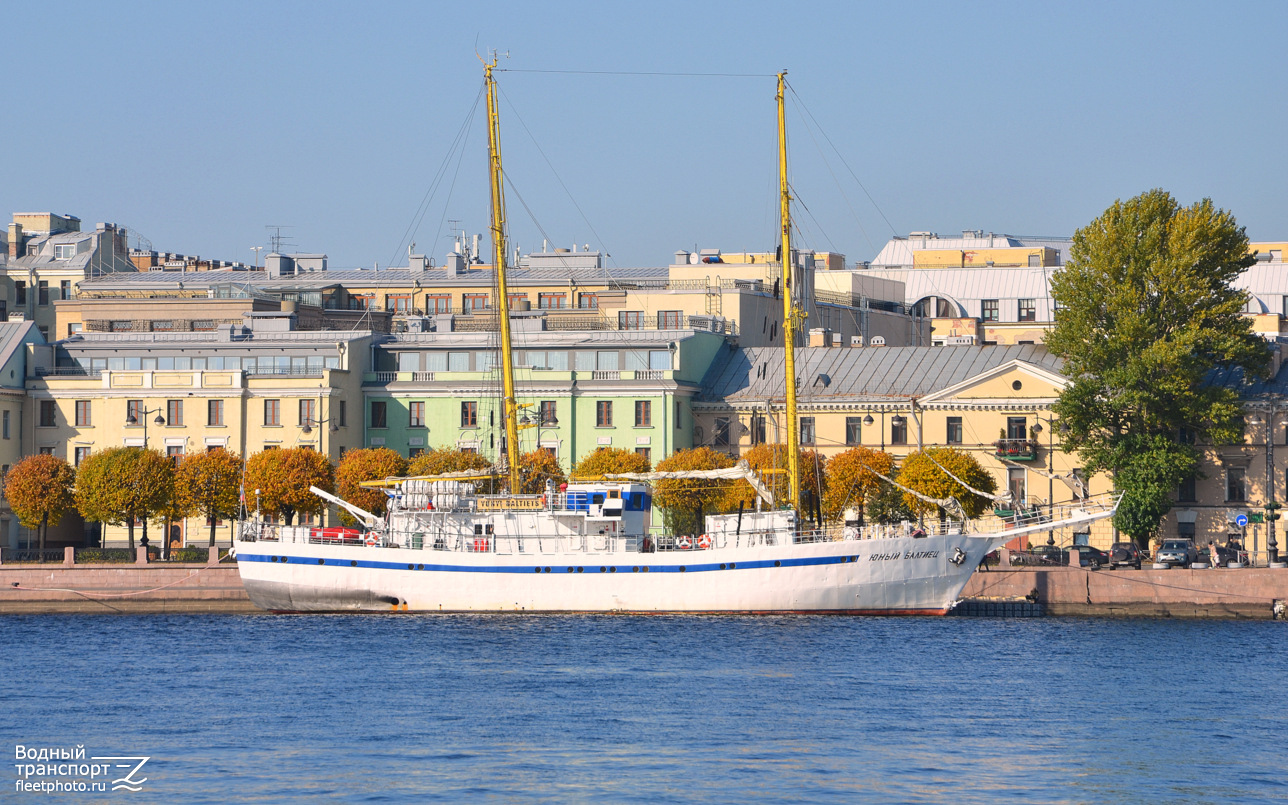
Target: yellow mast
<point>508,402</point>
<point>790,311</point>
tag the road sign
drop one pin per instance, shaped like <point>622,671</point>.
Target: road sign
<point>1241,520</point>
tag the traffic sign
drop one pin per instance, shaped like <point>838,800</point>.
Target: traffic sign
<point>1241,520</point>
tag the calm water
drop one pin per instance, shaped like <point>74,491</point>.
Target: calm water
<point>625,709</point>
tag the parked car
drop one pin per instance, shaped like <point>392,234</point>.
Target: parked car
<point>1124,553</point>
<point>1177,552</point>
<point>1088,556</point>
<point>1037,555</point>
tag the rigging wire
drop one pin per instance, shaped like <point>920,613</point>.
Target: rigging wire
<point>558,178</point>
<point>422,209</point>
<point>639,73</point>
<point>804,107</point>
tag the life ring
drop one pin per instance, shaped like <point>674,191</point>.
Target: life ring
<point>371,540</point>
<point>684,543</point>
<point>704,541</point>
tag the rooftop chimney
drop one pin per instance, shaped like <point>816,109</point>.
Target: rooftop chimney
<point>15,240</point>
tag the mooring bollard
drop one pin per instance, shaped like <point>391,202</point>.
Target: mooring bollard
<point>212,555</point>
<point>141,555</point>
<point>69,555</point>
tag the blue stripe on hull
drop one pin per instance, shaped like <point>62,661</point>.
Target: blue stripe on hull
<point>533,569</point>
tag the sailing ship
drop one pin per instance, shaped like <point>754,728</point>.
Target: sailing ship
<point>442,546</point>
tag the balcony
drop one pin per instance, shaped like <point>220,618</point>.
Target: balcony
<point>1016,449</point>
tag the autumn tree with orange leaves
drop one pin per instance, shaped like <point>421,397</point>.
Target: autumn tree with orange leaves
<point>39,490</point>
<point>283,478</point>
<point>208,484</point>
<point>373,464</point>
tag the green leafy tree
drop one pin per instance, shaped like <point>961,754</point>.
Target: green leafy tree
<point>1147,310</point>
<point>283,478</point>
<point>684,501</point>
<point>121,485</point>
<point>209,484</point>
<point>598,463</point>
<point>921,473</point>
<point>851,481</point>
<point>536,468</point>
<point>367,465</point>
<point>39,490</point>
<point>887,506</point>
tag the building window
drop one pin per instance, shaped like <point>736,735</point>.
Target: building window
<point>1028,310</point>
<point>134,411</point>
<point>898,430</point>
<point>954,430</point>
<point>469,414</point>
<point>604,414</point>
<point>669,319</point>
<point>989,310</point>
<point>343,415</point>
<point>757,429</point>
<point>1015,483</point>
<point>215,413</point>
<point>475,301</point>
<point>6,425</point>
<point>1187,493</point>
<point>174,413</point>
<point>82,414</point>
<point>721,436</point>
<point>174,452</point>
<point>547,412</point>
<point>47,415</point>
<point>1016,428</point>
<point>643,414</point>
<point>272,413</point>
<point>416,415</point>
<point>1186,530</point>
<point>807,430</point>
<point>552,301</point>
<point>80,454</point>
<point>1284,308</point>
<point>647,452</point>
<point>412,452</point>
<point>64,251</point>
<point>47,451</point>
<point>588,301</point>
<point>438,303</point>
<point>379,413</point>
<point>20,293</point>
<point>630,320</point>
<point>43,290</point>
<point>853,430</point>
<point>308,413</point>
<point>65,289</point>
<point>1235,485</point>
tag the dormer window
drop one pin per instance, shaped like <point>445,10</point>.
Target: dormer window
<point>64,251</point>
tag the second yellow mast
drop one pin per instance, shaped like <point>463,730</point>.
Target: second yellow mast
<point>790,311</point>
<point>509,404</point>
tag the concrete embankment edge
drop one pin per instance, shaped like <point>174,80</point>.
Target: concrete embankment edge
<point>139,589</point>
<point>1177,593</point>
<point>122,589</point>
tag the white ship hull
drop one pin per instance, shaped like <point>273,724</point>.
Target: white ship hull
<point>876,576</point>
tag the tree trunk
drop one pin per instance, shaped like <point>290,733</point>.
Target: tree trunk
<point>211,516</point>
<point>130,521</point>
<point>44,531</point>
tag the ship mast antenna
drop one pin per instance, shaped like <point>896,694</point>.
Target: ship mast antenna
<point>791,313</point>
<point>508,402</point>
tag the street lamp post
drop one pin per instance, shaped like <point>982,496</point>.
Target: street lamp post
<point>1272,405</point>
<point>132,418</point>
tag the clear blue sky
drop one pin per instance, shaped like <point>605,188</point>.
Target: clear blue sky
<point>200,124</point>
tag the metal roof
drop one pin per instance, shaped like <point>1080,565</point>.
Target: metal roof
<point>898,251</point>
<point>967,286</point>
<point>393,277</point>
<point>871,373</point>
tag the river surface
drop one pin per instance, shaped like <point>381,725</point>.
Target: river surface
<point>655,709</point>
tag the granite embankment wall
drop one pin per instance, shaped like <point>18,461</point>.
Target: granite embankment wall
<point>122,589</point>
<point>1211,593</point>
<point>188,588</point>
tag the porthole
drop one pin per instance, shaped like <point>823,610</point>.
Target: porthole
<point>1017,385</point>
<point>321,561</point>
<point>777,563</point>
<point>353,563</point>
